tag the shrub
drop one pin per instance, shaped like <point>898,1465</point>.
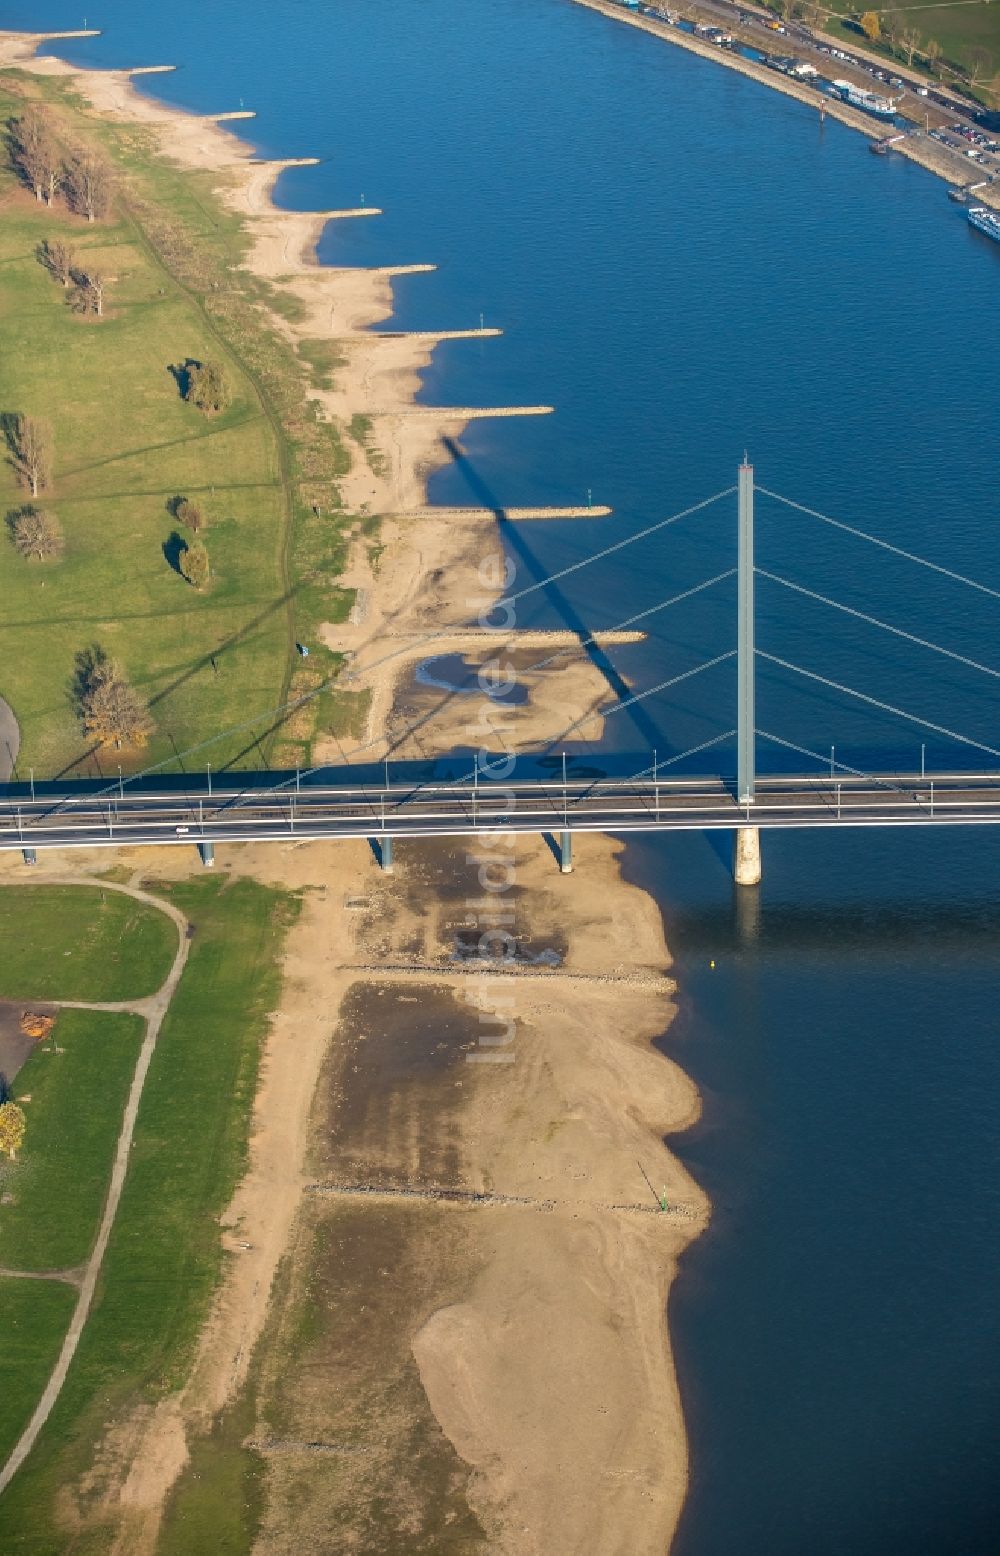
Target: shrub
<point>189,514</point>
<point>193,563</point>
<point>207,387</point>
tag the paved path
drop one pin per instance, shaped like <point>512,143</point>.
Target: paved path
<point>10,741</point>
<point>152,1010</point>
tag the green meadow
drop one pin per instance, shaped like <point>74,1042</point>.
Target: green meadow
<point>77,943</point>
<point>189,1149</point>
<point>126,444</point>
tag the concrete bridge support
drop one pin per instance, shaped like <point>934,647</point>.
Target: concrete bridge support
<point>29,856</point>
<point>746,856</point>
<point>207,852</point>
<point>383,850</point>
<point>566,852</point>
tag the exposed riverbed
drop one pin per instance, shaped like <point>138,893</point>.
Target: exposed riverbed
<point>687,264</point>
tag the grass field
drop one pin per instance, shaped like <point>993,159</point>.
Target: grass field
<point>79,943</point>
<point>33,1319</point>
<point>969,34</point>
<point>77,1083</point>
<point>126,443</point>
<point>164,1257</point>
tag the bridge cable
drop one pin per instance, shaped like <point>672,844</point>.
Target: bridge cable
<point>887,707</point>
<point>551,578</point>
<point>824,761</point>
<point>619,707</point>
<point>293,704</point>
<point>886,626</point>
<point>886,545</point>
<point>664,604</point>
<point>645,772</point>
<point>619,626</point>
<point>573,648</point>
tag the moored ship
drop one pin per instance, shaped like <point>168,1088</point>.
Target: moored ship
<point>985,220</point>
<point>869,102</point>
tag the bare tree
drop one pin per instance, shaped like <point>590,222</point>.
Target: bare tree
<point>909,41</point>
<point>187,513</point>
<point>111,709</point>
<point>89,296</point>
<point>933,51</point>
<point>892,26</point>
<point>36,155</point>
<point>981,63</point>
<point>35,533</point>
<point>58,259</point>
<point>29,442</point>
<point>89,184</point>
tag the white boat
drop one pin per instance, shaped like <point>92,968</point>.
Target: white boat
<point>985,221</point>
<point>860,97</point>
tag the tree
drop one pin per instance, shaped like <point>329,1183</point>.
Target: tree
<point>12,1126</point>
<point>35,533</point>
<point>189,514</point>
<point>111,709</point>
<point>36,155</point>
<point>871,26</point>
<point>193,563</point>
<point>982,66</point>
<point>89,294</point>
<point>933,51</point>
<point>58,259</point>
<point>30,443</point>
<point>206,387</point>
<point>89,184</point>
<point>909,42</point>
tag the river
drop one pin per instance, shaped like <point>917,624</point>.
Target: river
<point>688,265</point>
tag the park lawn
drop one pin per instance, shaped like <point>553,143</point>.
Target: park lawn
<point>125,444</point>
<point>34,1316</point>
<point>77,1083</point>
<point>164,1257</point>
<point>81,943</point>
<point>961,30</point>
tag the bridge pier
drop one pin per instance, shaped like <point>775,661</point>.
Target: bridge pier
<point>383,852</point>
<point>207,852</point>
<point>29,856</point>
<point>566,852</point>
<point>746,856</point>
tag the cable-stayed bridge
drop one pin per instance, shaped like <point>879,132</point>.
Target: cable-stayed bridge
<point>323,803</point>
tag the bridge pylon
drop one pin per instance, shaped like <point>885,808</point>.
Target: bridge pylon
<point>746,858</point>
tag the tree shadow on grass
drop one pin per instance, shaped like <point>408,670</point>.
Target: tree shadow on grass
<point>180,372</point>
<point>173,549</point>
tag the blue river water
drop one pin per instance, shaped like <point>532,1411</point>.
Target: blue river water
<point>688,265</point>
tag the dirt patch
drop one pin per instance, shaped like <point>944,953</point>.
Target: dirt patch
<point>348,1435</point>
<point>387,1102</point>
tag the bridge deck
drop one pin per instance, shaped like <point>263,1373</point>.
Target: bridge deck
<point>262,807</point>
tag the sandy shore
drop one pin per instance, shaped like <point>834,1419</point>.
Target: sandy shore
<point>520,1387</point>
